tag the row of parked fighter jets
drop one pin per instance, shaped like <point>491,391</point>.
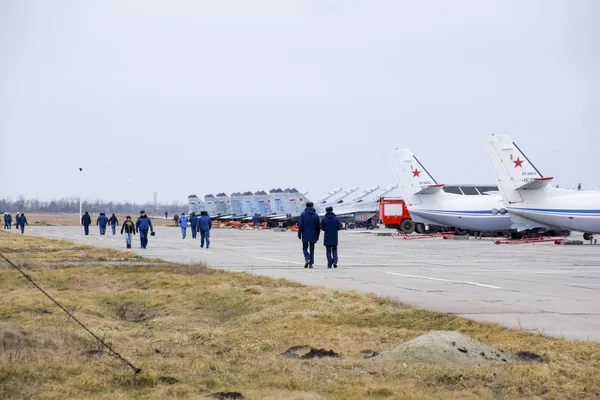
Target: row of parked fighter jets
<point>526,203</point>
<point>351,205</point>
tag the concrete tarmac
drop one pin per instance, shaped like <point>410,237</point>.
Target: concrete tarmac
<point>543,288</point>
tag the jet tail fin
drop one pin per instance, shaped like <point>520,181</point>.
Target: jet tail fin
<point>413,179</point>
<point>512,169</point>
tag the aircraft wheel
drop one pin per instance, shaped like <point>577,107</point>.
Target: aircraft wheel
<point>407,226</point>
<point>516,235</point>
<point>587,236</point>
<point>420,228</point>
<point>460,231</point>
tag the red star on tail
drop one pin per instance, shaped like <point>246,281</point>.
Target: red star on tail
<point>518,163</point>
<point>416,172</point>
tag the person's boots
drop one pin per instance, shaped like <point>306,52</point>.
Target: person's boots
<point>128,246</point>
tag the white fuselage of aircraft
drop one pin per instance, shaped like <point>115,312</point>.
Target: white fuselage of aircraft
<point>477,213</point>
<point>430,205</point>
<point>530,198</point>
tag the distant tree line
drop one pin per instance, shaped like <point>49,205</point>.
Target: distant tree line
<point>71,205</point>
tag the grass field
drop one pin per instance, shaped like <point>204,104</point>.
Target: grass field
<point>195,331</point>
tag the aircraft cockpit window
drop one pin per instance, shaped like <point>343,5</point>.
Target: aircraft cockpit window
<point>484,189</point>
<point>469,190</point>
<point>452,189</point>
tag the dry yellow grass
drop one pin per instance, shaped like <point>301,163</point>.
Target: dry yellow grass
<point>217,331</point>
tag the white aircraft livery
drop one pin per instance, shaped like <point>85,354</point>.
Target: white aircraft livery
<point>429,204</point>
<point>528,197</point>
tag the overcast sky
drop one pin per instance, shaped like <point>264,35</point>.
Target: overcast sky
<point>183,97</point>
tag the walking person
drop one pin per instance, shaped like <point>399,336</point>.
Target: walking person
<point>204,227</point>
<point>330,224</point>
<point>21,222</point>
<point>7,221</point>
<point>86,221</point>
<point>17,220</point>
<point>113,221</point>
<point>193,224</point>
<point>183,224</point>
<point>176,219</point>
<point>102,221</point>
<point>129,228</point>
<point>142,225</point>
<point>309,229</point>
<point>255,220</point>
<point>166,214</point>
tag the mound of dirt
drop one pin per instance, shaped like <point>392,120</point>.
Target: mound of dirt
<point>446,348</point>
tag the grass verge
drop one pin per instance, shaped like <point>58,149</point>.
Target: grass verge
<point>195,331</point>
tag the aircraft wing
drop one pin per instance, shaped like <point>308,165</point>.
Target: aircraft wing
<point>431,189</point>
<point>536,184</point>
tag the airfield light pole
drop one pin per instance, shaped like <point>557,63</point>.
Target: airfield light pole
<point>80,192</point>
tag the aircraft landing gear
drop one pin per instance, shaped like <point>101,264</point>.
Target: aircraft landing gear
<point>587,236</point>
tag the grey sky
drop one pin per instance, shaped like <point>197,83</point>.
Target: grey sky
<point>185,97</point>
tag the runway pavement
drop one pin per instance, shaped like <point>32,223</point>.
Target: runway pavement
<point>545,288</point>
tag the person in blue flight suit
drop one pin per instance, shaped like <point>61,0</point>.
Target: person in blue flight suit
<point>86,221</point>
<point>21,222</point>
<point>255,220</point>
<point>309,228</point>
<point>330,224</point>
<point>183,223</point>
<point>142,225</point>
<point>102,221</point>
<point>7,221</point>
<point>204,227</point>
<point>194,224</point>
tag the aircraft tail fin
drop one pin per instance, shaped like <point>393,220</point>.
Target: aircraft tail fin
<point>512,169</point>
<point>413,179</point>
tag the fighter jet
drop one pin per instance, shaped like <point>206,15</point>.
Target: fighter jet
<point>528,197</point>
<point>430,205</point>
<point>329,195</point>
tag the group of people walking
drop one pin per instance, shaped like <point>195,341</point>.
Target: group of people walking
<point>310,227</point>
<point>309,230</point>
<point>202,224</point>
<point>142,226</point>
<point>20,221</point>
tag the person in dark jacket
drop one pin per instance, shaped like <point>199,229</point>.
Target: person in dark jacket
<point>21,222</point>
<point>330,224</point>
<point>129,228</point>
<point>255,220</point>
<point>141,226</point>
<point>204,227</point>
<point>176,219</point>
<point>194,224</point>
<point>102,221</point>
<point>86,221</point>
<point>183,223</point>
<point>166,214</point>
<point>309,228</point>
<point>113,221</point>
<point>7,221</point>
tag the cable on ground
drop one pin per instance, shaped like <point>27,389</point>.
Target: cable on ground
<point>110,349</point>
